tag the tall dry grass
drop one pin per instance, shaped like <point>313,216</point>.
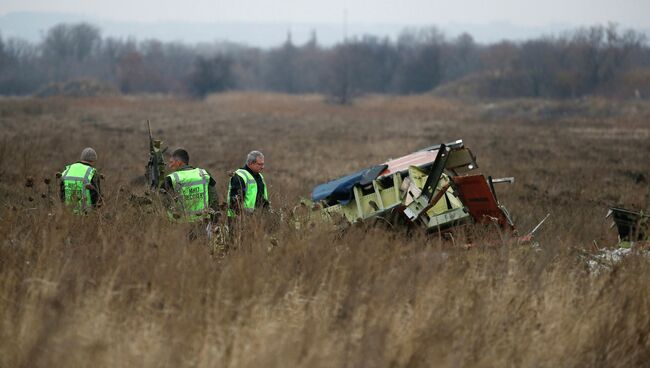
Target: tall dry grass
<point>122,287</point>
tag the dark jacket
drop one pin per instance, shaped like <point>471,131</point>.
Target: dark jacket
<point>237,188</point>
<point>95,190</point>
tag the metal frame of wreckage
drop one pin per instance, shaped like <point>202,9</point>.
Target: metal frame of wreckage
<point>631,226</point>
<point>434,187</point>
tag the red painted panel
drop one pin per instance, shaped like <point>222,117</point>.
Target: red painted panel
<point>478,198</point>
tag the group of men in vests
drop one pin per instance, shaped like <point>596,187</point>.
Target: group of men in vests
<point>190,191</point>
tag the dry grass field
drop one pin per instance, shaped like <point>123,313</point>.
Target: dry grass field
<point>122,287</point>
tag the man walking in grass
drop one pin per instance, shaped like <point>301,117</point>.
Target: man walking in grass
<point>191,190</point>
<point>247,189</point>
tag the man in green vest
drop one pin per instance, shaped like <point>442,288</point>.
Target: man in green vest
<point>79,186</point>
<point>192,190</point>
<point>247,189</point>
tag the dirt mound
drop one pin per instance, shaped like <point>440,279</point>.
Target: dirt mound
<point>486,85</point>
<point>516,84</point>
<point>77,88</point>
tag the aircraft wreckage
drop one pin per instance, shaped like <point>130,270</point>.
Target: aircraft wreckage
<point>437,188</point>
<point>633,227</point>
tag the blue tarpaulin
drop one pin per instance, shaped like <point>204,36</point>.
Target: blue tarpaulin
<point>339,189</point>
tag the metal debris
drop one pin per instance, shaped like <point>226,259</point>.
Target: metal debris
<point>436,188</point>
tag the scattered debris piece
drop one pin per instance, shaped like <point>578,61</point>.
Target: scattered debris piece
<point>633,238</point>
<point>631,226</point>
<point>605,259</point>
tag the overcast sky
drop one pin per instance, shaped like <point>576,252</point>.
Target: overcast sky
<point>628,13</point>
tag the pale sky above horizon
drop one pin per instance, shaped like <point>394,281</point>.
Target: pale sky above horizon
<point>627,13</point>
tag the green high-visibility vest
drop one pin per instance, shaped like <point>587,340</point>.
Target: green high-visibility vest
<point>75,178</point>
<point>192,189</point>
<point>250,194</point>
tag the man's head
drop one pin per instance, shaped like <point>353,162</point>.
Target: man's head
<point>88,156</point>
<point>255,161</point>
<point>179,158</point>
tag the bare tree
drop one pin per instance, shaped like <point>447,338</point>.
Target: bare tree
<point>210,75</point>
<point>420,67</point>
<point>280,68</point>
<point>66,48</point>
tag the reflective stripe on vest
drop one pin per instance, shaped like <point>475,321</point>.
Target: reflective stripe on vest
<point>192,188</point>
<point>75,178</point>
<point>250,191</point>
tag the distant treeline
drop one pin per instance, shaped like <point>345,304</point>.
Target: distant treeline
<point>600,60</point>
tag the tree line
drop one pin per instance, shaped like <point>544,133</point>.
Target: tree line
<point>595,60</point>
